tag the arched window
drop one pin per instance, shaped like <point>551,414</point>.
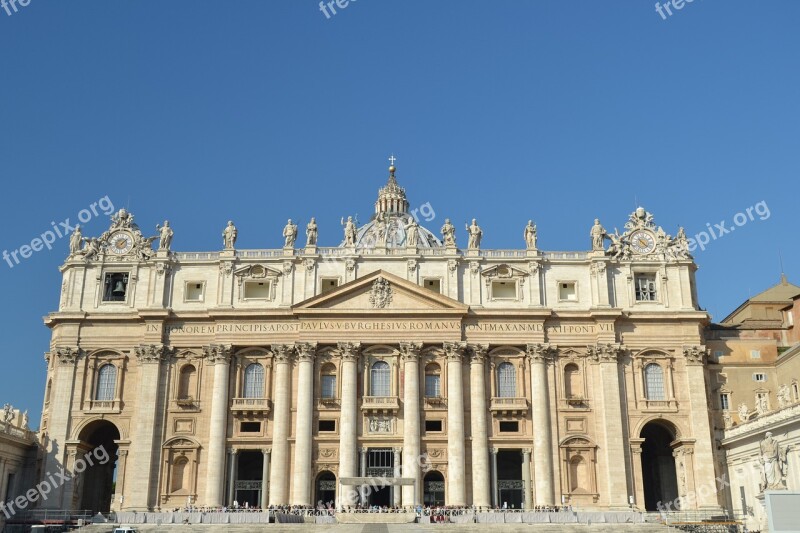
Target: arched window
<point>654,382</point>
<point>380,383</point>
<point>328,381</point>
<point>179,472</point>
<point>106,383</point>
<point>506,381</point>
<point>433,381</point>
<point>254,381</point>
<point>47,391</point>
<point>187,382</point>
<point>573,381</point>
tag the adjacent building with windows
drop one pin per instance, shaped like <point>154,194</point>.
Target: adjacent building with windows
<point>754,387</point>
<point>458,376</point>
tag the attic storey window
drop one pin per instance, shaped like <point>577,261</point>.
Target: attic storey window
<point>115,287</point>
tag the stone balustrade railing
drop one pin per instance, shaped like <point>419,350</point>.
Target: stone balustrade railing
<point>20,433</point>
<point>763,421</point>
<point>335,251</point>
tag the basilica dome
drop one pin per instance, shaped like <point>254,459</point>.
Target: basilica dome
<point>392,223</point>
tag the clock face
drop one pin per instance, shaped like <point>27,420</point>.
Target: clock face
<point>643,242</point>
<point>120,243</point>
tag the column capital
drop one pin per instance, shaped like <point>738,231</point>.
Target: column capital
<point>217,353</point>
<point>152,353</point>
<point>364,451</point>
<point>541,352</point>
<point>68,355</point>
<point>266,451</point>
<point>282,353</point>
<point>606,353</point>
<point>454,351</point>
<point>348,351</point>
<point>409,351</point>
<point>494,451</point>
<point>695,355</point>
<point>398,450</point>
<point>477,353</point>
<point>526,451</point>
<point>306,351</point>
<point>233,450</point>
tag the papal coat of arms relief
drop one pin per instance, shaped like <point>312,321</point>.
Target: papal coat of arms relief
<point>381,294</point>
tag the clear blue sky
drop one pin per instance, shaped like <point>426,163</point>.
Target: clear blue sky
<point>560,111</point>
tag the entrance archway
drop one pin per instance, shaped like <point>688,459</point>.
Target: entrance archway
<point>325,488</point>
<point>98,480</point>
<point>433,489</point>
<point>659,477</point>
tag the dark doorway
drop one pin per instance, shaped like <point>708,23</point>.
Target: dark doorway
<point>249,475</point>
<point>658,467</point>
<point>510,487</point>
<point>433,489</point>
<point>380,465</point>
<point>326,488</point>
<point>98,480</point>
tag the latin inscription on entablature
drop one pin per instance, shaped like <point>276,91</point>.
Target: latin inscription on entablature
<point>523,330</point>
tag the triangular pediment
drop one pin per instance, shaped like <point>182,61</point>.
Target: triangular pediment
<point>382,293</point>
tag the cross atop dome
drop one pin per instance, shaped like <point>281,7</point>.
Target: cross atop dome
<point>392,197</point>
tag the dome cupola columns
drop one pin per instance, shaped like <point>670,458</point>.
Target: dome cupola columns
<point>391,198</point>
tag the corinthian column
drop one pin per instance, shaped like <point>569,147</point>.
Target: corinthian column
<point>538,355</point>
<point>301,486</point>
<point>62,364</point>
<point>456,493</point>
<point>348,424</point>
<point>613,437</point>
<point>282,420</point>
<point>411,421</point>
<point>701,429</point>
<point>220,358</point>
<point>481,495</point>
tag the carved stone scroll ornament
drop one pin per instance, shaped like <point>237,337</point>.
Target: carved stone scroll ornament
<point>217,353</point>
<point>454,351</point>
<point>282,353</point>
<point>606,353</point>
<point>67,355</point>
<point>348,351</point>
<point>152,353</point>
<point>409,351</point>
<point>477,352</point>
<point>541,352</point>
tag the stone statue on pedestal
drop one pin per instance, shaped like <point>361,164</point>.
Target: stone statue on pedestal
<point>448,233</point>
<point>773,464</point>
<point>229,235</point>
<point>475,235</point>
<point>784,396</point>
<point>744,412</point>
<point>311,233</point>
<point>289,234</point>
<point>598,235</point>
<point>165,236</point>
<point>75,241</point>
<point>530,235</point>
<point>412,232</point>
<point>762,407</point>
<point>350,232</point>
